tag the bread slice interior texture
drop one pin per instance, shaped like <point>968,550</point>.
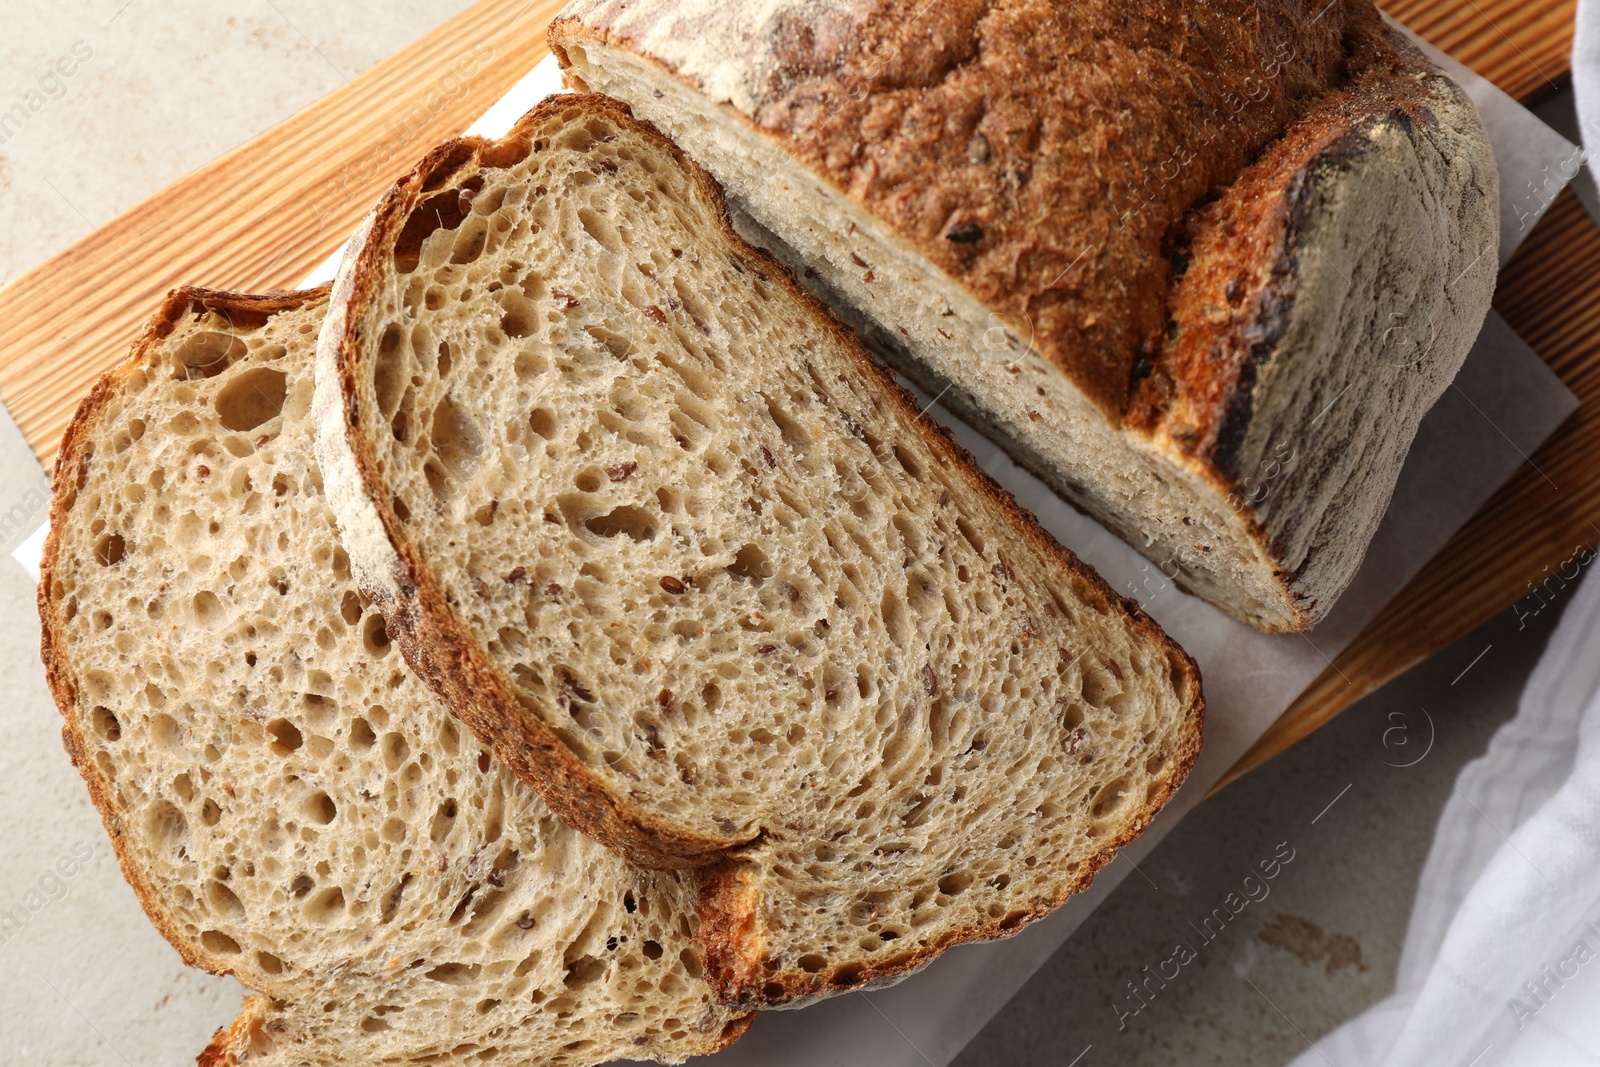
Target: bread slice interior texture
<point>693,564</point>
<point>290,804</point>
<point>1345,271</point>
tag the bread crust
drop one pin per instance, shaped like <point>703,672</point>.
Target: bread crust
<point>441,651</point>
<point>72,463</point>
<point>230,1045</point>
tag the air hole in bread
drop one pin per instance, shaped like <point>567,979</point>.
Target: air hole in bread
<point>441,211</point>
<point>894,619</point>
<point>1098,685</point>
<point>207,608</point>
<point>585,970</point>
<point>456,440</point>
<point>618,345</point>
<point>206,354</point>
<point>395,751</point>
<point>361,735</point>
<point>218,943</point>
<point>530,364</point>
<point>223,901</point>
<point>517,322</point>
<point>326,905</point>
<point>320,808</point>
<point>542,421</point>
<point>106,725</point>
<point>350,607</point>
<point>955,883</point>
<point>285,737</point>
<point>637,523</point>
<point>110,549</point>
<point>443,819</point>
<point>168,829</point>
<point>438,480</point>
<point>444,359</point>
<point>601,229</point>
<point>752,564</point>
<point>1110,797</point>
<point>1071,717</point>
<point>470,241</point>
<point>375,637</point>
<point>252,397</point>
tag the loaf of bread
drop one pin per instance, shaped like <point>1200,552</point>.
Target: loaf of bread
<point>1201,266</point>
<point>667,537</point>
<point>290,805</point>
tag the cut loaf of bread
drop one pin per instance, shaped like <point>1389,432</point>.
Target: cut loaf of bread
<point>290,805</point>
<point>694,565</point>
<point>1202,268</point>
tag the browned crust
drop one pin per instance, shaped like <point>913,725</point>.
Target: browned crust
<point>72,464</point>
<point>1232,306</point>
<point>230,1044</point>
<point>737,1027</point>
<point>440,648</point>
<point>1241,281</point>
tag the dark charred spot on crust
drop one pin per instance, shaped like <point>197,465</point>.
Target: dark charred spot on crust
<point>964,233</point>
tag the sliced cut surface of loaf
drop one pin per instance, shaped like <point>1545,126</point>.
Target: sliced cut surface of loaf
<point>1202,270</point>
<point>695,566</point>
<point>290,804</point>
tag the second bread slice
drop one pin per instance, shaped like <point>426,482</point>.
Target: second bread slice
<point>666,537</point>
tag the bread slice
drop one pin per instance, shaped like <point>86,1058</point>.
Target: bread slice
<point>694,565</point>
<point>1202,271</point>
<point>290,805</point>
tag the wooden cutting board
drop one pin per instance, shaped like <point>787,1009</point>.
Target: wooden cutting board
<point>277,206</point>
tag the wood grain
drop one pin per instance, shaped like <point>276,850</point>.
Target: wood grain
<point>267,213</point>
<point>260,217</point>
<point>1523,546</point>
<point>1524,48</point>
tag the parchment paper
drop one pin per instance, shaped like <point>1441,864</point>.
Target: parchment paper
<point>1503,405</point>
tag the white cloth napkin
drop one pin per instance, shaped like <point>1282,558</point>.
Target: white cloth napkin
<point>1586,79</point>
<point>1501,965</point>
